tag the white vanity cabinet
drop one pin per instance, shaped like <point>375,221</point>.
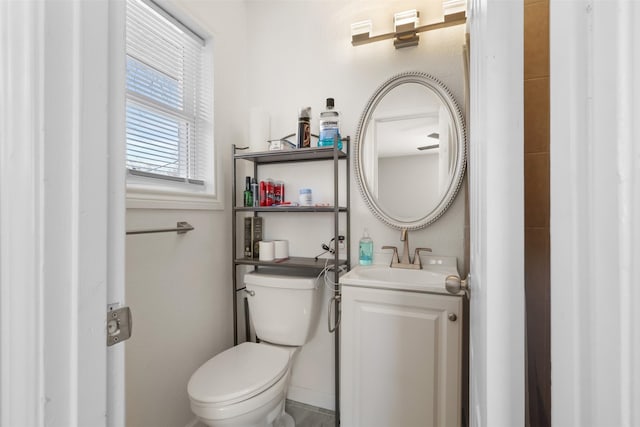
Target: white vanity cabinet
<point>400,358</point>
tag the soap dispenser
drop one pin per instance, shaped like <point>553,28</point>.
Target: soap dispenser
<point>366,249</point>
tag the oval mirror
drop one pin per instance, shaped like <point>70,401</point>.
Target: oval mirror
<point>410,150</point>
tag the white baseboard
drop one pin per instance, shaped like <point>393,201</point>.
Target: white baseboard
<point>311,397</point>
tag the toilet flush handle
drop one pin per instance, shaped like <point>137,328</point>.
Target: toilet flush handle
<point>250,292</point>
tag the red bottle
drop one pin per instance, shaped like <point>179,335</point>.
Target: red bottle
<point>271,190</point>
<point>263,193</point>
<point>279,193</point>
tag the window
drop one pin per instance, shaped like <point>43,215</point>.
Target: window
<point>168,124</point>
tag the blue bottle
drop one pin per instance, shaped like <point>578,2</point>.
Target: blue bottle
<point>329,126</point>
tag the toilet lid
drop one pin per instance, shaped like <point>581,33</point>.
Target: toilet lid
<point>238,373</point>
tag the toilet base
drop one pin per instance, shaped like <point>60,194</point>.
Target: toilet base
<point>285,420</point>
<point>270,414</point>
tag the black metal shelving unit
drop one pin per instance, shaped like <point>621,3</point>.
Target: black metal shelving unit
<point>326,154</point>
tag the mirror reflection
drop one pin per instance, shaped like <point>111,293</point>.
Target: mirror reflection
<point>410,151</point>
<point>408,144</point>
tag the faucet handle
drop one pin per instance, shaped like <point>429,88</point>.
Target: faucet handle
<point>394,257</point>
<point>416,255</point>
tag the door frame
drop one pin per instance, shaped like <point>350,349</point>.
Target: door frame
<point>116,399</point>
<point>61,239</point>
<point>496,208</point>
<point>21,287</point>
<point>595,205</point>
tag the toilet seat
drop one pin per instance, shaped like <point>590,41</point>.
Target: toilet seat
<point>237,374</point>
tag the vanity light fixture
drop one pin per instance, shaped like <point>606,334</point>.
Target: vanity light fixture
<point>361,30</point>
<point>406,26</point>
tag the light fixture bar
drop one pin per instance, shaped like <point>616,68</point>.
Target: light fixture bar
<point>449,21</point>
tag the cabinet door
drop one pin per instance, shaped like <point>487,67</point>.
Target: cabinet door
<point>400,358</point>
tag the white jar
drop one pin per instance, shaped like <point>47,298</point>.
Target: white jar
<point>306,198</point>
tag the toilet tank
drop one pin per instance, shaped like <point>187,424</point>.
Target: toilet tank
<point>284,308</point>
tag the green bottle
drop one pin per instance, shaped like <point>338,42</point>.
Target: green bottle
<point>248,195</point>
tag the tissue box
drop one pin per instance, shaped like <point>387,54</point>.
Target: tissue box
<point>280,144</point>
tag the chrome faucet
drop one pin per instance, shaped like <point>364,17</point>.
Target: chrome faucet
<point>405,261</point>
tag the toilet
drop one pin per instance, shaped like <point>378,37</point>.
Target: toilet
<point>246,385</point>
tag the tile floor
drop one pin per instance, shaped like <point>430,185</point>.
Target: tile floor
<point>305,415</point>
<point>309,416</point>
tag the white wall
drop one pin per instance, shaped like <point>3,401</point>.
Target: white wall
<point>299,53</point>
<point>179,287</point>
<point>394,173</point>
<point>287,72</point>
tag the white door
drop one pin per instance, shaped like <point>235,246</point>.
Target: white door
<point>59,221</point>
<point>496,348</point>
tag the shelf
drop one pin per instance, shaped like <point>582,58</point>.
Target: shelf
<point>335,161</point>
<point>291,262</point>
<point>289,209</point>
<point>295,155</point>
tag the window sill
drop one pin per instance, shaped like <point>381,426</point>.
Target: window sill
<point>143,197</point>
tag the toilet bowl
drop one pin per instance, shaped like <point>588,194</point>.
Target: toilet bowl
<point>246,385</point>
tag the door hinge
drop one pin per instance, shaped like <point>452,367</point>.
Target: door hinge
<point>119,324</point>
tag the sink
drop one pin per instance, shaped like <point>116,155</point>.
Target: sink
<point>430,279</point>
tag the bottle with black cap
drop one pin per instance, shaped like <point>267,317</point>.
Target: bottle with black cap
<point>303,134</point>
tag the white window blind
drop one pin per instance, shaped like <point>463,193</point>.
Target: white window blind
<point>166,105</point>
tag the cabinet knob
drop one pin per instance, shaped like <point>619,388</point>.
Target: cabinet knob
<point>453,317</point>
